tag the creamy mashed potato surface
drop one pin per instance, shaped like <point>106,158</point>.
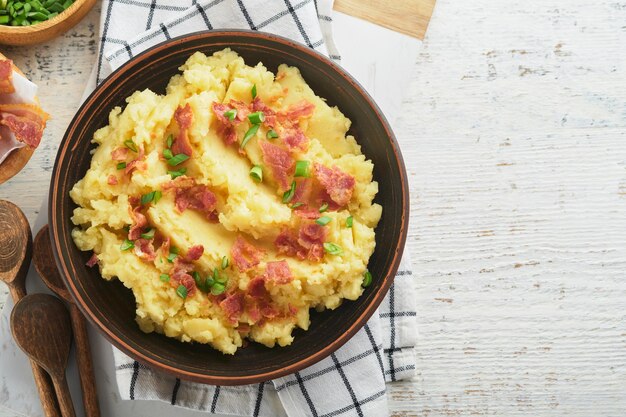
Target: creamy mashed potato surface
<point>230,206</point>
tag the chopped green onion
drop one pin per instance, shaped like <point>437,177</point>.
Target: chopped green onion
<point>218,288</point>
<point>181,291</point>
<point>249,135</point>
<point>225,262</point>
<point>127,244</point>
<point>230,114</point>
<point>217,277</point>
<point>296,205</point>
<point>288,195</point>
<point>130,145</point>
<point>349,222</point>
<point>4,19</point>
<point>169,141</point>
<point>271,134</point>
<point>177,173</point>
<point>257,173</point>
<point>177,159</point>
<point>147,198</point>
<point>253,91</point>
<point>171,257</point>
<point>167,154</point>
<point>121,165</point>
<point>256,117</point>
<point>332,248</point>
<point>302,169</point>
<point>196,277</point>
<point>323,207</point>
<point>323,221</point>
<point>367,279</point>
<point>157,196</point>
<point>174,250</point>
<point>164,278</point>
<point>149,234</point>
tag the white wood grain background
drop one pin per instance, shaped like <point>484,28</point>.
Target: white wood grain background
<point>514,134</point>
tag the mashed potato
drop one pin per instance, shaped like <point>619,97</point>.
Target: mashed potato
<point>230,206</point>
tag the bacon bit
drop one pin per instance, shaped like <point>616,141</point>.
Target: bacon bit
<point>295,140</point>
<point>6,77</point>
<point>279,272</point>
<point>286,243</point>
<point>245,255</point>
<point>243,328</point>
<point>180,276</point>
<point>228,134</point>
<point>112,180</point>
<point>256,287</point>
<point>165,247</point>
<point>280,162</point>
<point>299,110</point>
<point>119,154</point>
<point>267,309</point>
<point>308,244</point>
<point>93,261</point>
<point>26,121</point>
<point>304,188</point>
<point>337,183</point>
<point>233,306</point>
<point>190,195</point>
<point>270,115</point>
<point>139,222</point>
<point>252,308</point>
<point>137,163</point>
<point>184,118</point>
<point>194,253</point>
<point>144,249</point>
<point>293,310</point>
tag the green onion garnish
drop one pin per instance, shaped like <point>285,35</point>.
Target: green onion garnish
<point>164,277</point>
<point>302,169</point>
<point>169,141</point>
<point>130,145</point>
<point>196,277</point>
<point>230,114</point>
<point>121,165</point>
<point>157,196</point>
<point>225,262</point>
<point>177,159</point>
<point>332,248</point>
<point>367,279</point>
<point>271,134</point>
<point>218,288</point>
<point>147,198</point>
<point>288,195</point>
<point>174,250</point>
<point>127,244</point>
<point>323,221</point>
<point>177,173</point>
<point>296,205</point>
<point>256,117</point>
<point>167,154</point>
<point>149,234</point>
<point>219,278</point>
<point>349,222</point>
<point>171,257</point>
<point>257,173</point>
<point>323,207</point>
<point>253,91</point>
<point>249,134</point>
<point>181,291</point>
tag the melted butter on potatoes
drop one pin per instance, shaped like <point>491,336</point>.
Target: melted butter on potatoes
<point>212,253</point>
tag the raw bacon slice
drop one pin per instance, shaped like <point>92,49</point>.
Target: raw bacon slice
<point>337,183</point>
<point>184,119</point>
<point>26,121</point>
<point>245,255</point>
<point>144,249</point>
<point>190,195</point>
<point>280,162</point>
<point>279,272</point>
<point>233,306</point>
<point>6,77</point>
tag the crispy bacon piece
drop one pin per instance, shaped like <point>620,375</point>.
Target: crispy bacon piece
<point>279,272</point>
<point>258,303</point>
<point>297,111</point>
<point>26,121</point>
<point>190,195</point>
<point>233,306</point>
<point>194,253</point>
<point>256,287</point>
<point>119,154</point>
<point>139,222</point>
<point>93,261</point>
<point>112,180</point>
<point>287,243</point>
<point>6,77</point>
<point>337,183</point>
<point>307,244</point>
<point>137,163</point>
<point>245,255</point>
<point>226,128</point>
<point>280,162</point>
<point>165,247</point>
<point>295,140</point>
<point>180,276</point>
<point>270,115</point>
<point>144,249</point>
<point>184,118</point>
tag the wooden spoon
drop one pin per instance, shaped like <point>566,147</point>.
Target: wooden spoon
<point>43,257</point>
<point>42,328</point>
<point>15,254</point>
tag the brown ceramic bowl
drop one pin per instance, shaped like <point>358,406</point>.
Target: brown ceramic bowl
<point>111,306</point>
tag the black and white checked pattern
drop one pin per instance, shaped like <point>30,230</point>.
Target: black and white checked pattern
<point>351,382</point>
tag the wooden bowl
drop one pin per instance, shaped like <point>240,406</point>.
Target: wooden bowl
<point>17,159</point>
<point>46,30</point>
<point>111,306</point>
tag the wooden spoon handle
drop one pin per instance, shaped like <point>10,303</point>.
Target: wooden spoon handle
<point>85,364</point>
<point>64,397</point>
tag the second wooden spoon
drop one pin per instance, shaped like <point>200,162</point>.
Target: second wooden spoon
<point>47,269</point>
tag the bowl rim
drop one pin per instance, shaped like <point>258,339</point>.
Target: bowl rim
<point>46,24</point>
<point>55,227</point>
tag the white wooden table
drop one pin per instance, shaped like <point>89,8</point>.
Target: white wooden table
<point>514,133</point>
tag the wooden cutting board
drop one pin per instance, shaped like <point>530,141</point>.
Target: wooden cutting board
<point>410,17</point>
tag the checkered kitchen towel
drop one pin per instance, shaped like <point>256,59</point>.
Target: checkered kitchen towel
<point>351,382</point>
